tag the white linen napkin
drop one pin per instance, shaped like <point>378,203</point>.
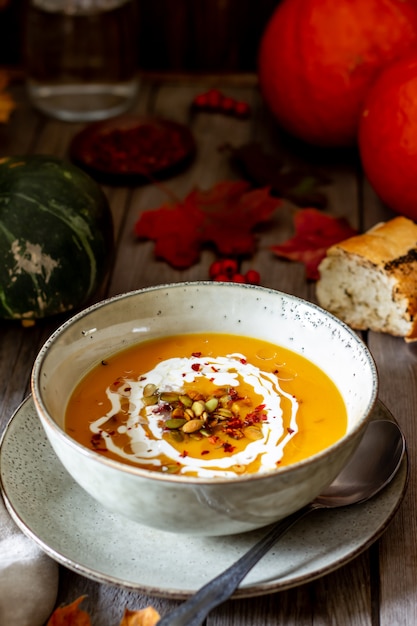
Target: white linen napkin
<point>28,577</point>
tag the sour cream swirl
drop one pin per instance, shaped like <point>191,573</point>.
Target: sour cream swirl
<point>222,371</point>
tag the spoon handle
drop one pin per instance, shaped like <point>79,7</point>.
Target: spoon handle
<point>193,611</point>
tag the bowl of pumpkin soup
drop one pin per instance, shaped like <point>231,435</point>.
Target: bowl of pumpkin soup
<point>204,408</point>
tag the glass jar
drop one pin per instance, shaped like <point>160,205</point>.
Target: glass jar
<point>81,57</point>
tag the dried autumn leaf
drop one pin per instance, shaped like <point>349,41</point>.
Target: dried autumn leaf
<point>145,617</point>
<point>70,615</point>
<point>224,216</point>
<point>315,232</point>
<point>299,185</point>
<point>7,104</point>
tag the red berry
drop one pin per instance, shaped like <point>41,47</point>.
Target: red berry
<point>227,104</point>
<point>214,98</point>
<point>239,278</point>
<point>200,101</point>
<point>253,277</point>
<point>215,268</point>
<point>229,266</point>
<point>242,109</point>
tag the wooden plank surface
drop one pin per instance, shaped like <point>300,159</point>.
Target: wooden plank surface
<point>379,587</point>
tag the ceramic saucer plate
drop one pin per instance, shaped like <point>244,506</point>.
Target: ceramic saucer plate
<point>79,533</point>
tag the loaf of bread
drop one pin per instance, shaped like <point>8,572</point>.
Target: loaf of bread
<point>370,281</point>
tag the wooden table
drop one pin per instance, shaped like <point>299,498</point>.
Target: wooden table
<point>378,587</point>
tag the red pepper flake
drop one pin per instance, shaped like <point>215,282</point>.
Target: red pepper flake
<point>227,447</point>
<point>290,431</point>
<point>196,367</point>
<point>243,361</point>
<point>196,354</point>
<point>183,454</point>
<point>215,369</point>
<point>95,439</point>
<point>96,442</point>
<point>234,395</point>
<point>213,439</point>
<point>234,423</point>
<point>256,416</point>
<point>205,452</point>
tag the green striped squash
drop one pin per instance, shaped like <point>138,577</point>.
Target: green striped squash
<point>56,237</point>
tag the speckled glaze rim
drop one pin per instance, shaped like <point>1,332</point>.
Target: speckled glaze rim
<point>386,503</point>
<point>178,479</point>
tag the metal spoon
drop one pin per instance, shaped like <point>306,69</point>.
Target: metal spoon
<point>372,466</point>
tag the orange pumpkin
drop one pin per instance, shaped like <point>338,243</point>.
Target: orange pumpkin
<point>388,136</point>
<point>317,59</point>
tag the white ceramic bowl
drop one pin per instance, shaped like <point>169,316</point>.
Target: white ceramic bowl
<point>176,503</point>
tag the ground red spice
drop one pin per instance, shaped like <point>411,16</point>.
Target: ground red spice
<point>132,146</point>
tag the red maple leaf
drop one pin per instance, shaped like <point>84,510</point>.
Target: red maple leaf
<point>223,216</point>
<point>315,232</point>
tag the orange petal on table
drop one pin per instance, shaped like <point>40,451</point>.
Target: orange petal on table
<point>70,615</point>
<point>145,617</point>
<point>7,105</point>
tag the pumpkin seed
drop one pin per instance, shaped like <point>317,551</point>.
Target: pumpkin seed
<point>150,400</point>
<point>192,426</point>
<point>186,400</point>
<point>149,390</point>
<point>253,433</point>
<point>169,396</point>
<point>211,404</point>
<point>198,408</point>
<point>176,435</point>
<point>224,400</point>
<point>188,414</point>
<point>175,423</point>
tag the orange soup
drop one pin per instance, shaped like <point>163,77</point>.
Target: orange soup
<point>206,405</point>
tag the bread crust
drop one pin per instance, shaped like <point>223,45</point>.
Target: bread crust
<point>384,242</point>
<point>386,253</point>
